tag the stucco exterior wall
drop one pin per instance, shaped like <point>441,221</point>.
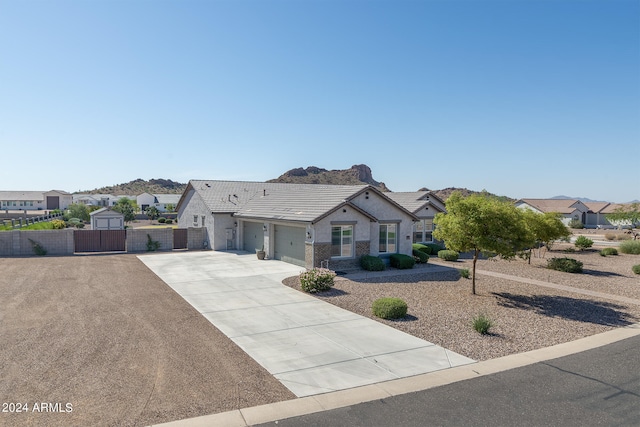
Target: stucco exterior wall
<point>194,206</point>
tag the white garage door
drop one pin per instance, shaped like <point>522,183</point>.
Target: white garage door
<point>289,244</point>
<point>252,236</point>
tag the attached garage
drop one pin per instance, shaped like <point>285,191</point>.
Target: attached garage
<point>289,244</point>
<point>252,236</point>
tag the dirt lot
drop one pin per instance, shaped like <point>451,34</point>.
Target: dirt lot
<point>108,337</point>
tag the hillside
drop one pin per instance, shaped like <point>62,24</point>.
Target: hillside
<point>446,192</point>
<point>139,186</point>
<point>356,175</point>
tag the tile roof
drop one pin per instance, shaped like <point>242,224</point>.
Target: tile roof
<point>413,200</point>
<point>276,201</point>
<point>22,195</point>
<point>563,206</point>
<point>167,198</point>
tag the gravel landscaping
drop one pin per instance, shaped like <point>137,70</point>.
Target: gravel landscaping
<point>526,316</point>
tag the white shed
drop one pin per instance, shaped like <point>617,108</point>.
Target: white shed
<point>107,219</point>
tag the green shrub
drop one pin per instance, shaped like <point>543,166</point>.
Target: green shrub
<point>371,263</point>
<point>317,280</point>
<point>636,269</point>
<point>152,245</point>
<point>434,248</point>
<point>577,224</point>
<point>630,247</point>
<point>389,308</point>
<point>401,261</point>
<point>464,272</point>
<point>80,225</point>
<point>609,251</point>
<point>568,265</point>
<point>58,224</point>
<point>169,221</point>
<point>482,323</point>
<point>420,256</point>
<point>37,248</point>
<point>569,250</point>
<point>583,243</point>
<point>448,255</point>
<point>75,221</point>
<point>162,220</point>
<point>421,247</point>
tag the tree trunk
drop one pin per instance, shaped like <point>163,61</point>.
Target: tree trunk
<point>473,278</point>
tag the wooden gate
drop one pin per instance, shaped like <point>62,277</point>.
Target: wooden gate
<point>179,238</point>
<point>99,240</point>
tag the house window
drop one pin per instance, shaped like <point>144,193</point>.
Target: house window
<point>195,220</point>
<point>342,241</point>
<point>388,238</point>
<point>423,231</point>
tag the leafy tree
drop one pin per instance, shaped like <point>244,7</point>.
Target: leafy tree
<point>127,207</point>
<point>482,225</point>
<point>171,207</point>
<point>545,228</point>
<point>625,215</point>
<point>77,210</point>
<point>152,212</point>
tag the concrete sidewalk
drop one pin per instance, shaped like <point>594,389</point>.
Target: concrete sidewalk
<point>311,346</point>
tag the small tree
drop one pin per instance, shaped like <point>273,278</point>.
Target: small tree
<point>482,224</point>
<point>545,228</point>
<point>127,207</point>
<point>152,212</point>
<point>77,210</point>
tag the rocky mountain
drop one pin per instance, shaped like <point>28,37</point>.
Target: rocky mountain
<point>356,175</point>
<point>139,186</point>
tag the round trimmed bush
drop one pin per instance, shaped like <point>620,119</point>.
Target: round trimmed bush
<point>434,248</point>
<point>609,251</point>
<point>401,261</point>
<point>420,256</point>
<point>448,255</point>
<point>630,247</point>
<point>162,220</point>
<point>567,265</point>
<point>371,263</point>
<point>389,308</point>
<point>169,221</point>
<point>636,269</point>
<point>583,242</point>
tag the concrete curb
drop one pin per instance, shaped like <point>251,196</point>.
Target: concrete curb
<point>323,402</point>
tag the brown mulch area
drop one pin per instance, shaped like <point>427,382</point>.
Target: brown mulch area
<point>106,335</point>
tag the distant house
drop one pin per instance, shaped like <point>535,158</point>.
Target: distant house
<point>591,214</point>
<point>423,204</point>
<point>107,219</point>
<point>94,199</point>
<point>34,200</point>
<point>163,202</point>
<point>305,224</point>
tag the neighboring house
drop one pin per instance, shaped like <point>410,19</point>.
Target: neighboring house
<point>163,202</point>
<point>106,219</point>
<point>94,199</point>
<point>569,209</point>
<point>303,224</point>
<point>34,200</point>
<point>598,211</point>
<point>423,204</point>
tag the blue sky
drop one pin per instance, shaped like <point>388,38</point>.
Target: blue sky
<point>521,98</point>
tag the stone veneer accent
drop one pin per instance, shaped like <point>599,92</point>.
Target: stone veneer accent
<point>322,251</point>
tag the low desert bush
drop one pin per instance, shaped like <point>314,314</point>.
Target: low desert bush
<point>636,269</point>
<point>317,280</point>
<point>58,224</point>
<point>623,237</point>
<point>610,236</point>
<point>162,220</point>
<point>169,221</point>
<point>401,261</point>
<point>448,255</point>
<point>630,247</point>
<point>482,323</point>
<point>574,223</point>
<point>371,263</point>
<point>609,251</point>
<point>464,272</point>
<point>389,308</point>
<point>583,243</point>
<point>567,265</point>
<point>420,256</point>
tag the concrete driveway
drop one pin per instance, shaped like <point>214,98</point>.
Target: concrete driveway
<point>310,346</point>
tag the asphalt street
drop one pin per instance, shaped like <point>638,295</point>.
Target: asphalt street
<point>599,387</point>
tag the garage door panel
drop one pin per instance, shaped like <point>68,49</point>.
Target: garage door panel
<point>289,244</point>
<point>252,237</point>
